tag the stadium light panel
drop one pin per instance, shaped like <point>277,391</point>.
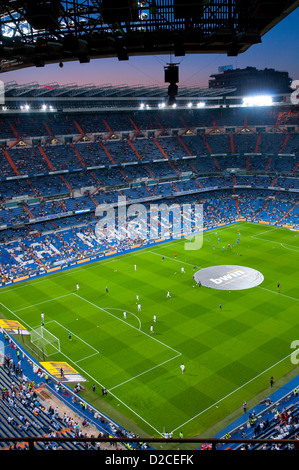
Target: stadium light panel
<point>259,100</point>
<point>201,104</point>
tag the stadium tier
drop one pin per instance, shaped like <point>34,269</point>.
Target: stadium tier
<point>240,163</point>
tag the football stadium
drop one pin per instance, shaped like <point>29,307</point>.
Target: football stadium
<point>149,251</point>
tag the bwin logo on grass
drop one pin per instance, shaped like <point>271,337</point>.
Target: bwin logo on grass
<point>227,277</point>
<point>120,223</point>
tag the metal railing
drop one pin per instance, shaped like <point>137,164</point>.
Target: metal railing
<point>214,443</point>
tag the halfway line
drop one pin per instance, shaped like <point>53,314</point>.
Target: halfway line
<point>278,293</point>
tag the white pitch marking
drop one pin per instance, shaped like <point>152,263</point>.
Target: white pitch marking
<point>44,302</point>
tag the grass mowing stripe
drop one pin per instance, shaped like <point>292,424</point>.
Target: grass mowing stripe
<point>44,302</point>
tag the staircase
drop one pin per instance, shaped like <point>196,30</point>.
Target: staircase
<point>78,156</point>
<point>15,133</point>
<point>232,145</point>
<point>134,149</point>
<point>107,153</point>
<point>46,158</point>
<point>8,157</point>
<point>284,143</point>
<point>82,133</point>
<point>184,145</point>
<point>258,140</point>
<point>289,211</point>
<point>207,144</point>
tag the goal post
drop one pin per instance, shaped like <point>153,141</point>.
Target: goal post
<point>45,341</point>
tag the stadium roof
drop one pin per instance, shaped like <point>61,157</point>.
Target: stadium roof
<point>73,90</point>
<point>41,32</point>
<point>90,97</point>
<point>33,97</point>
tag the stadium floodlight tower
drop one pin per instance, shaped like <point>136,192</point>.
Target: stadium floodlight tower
<point>171,76</point>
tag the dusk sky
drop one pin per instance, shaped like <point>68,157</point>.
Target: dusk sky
<point>278,50</point>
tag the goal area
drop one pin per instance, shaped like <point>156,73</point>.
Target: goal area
<point>45,341</point>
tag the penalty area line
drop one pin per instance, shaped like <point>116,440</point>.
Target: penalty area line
<point>128,324</point>
<point>76,336</point>
<point>178,354</point>
<point>44,302</point>
<point>93,378</point>
<point>231,393</point>
<point>145,372</point>
<point>284,245</point>
<point>127,311</point>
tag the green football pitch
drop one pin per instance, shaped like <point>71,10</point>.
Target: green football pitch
<point>229,355</point>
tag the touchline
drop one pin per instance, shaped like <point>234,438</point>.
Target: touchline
<point>227,277</point>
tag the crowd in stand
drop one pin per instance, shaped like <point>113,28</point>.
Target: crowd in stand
<point>41,246</point>
<point>49,219</point>
<point>65,124</point>
<point>24,412</point>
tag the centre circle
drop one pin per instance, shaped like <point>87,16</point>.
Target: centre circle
<point>228,277</point>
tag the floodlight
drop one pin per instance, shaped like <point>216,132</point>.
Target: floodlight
<point>259,100</point>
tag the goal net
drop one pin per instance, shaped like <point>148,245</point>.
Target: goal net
<point>45,341</point>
